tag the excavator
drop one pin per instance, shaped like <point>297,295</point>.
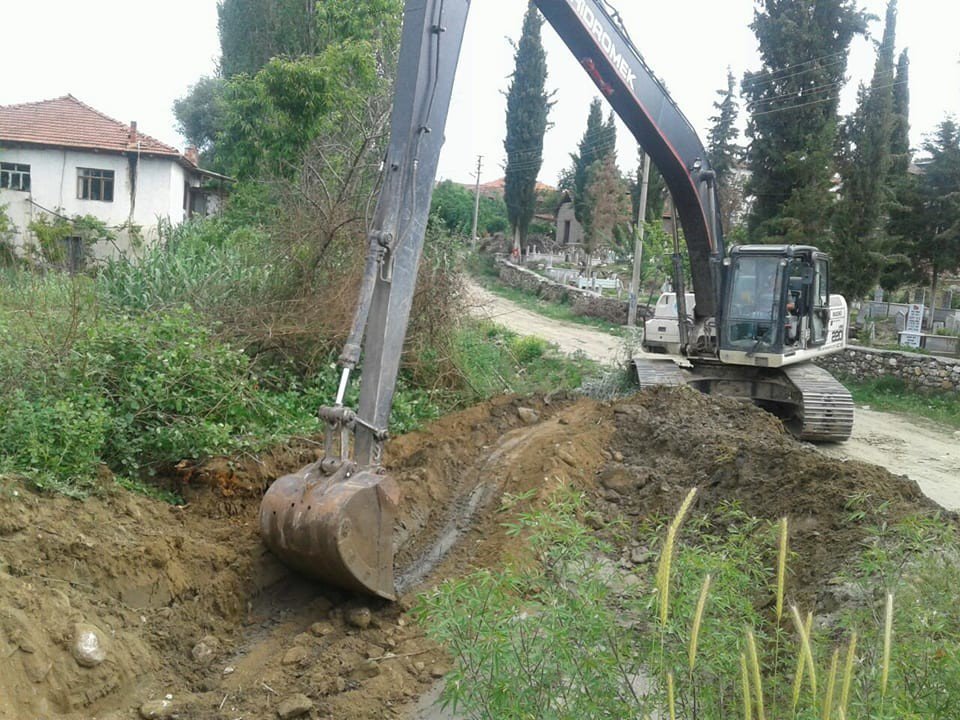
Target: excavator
<point>758,315</point>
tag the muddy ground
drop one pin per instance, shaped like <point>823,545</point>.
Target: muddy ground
<point>184,614</point>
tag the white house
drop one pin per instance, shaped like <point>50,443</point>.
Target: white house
<point>62,157</point>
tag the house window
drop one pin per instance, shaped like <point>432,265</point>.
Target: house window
<point>95,184</point>
<point>14,177</point>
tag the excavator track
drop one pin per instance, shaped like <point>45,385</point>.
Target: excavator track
<point>815,407</point>
<point>654,373</point>
<point>826,411</point>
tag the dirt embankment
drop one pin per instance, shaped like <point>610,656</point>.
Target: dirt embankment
<point>183,613</point>
<point>922,450</point>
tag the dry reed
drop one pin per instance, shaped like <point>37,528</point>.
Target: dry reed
<point>804,632</point>
<point>745,687</point>
<point>781,568</point>
<point>697,621</point>
<point>887,644</point>
<point>666,558</point>
<point>757,679</point>
<point>831,686</point>
<point>848,675</point>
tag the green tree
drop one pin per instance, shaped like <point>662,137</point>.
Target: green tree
<point>598,141</point>
<point>528,107</point>
<point>609,204</point>
<point>898,269</point>
<point>725,153</point>
<point>858,242</point>
<point>722,137</point>
<point>900,134</point>
<point>199,113</point>
<point>793,101</point>
<point>453,205</point>
<point>927,220</point>
<point>252,32</point>
<point>270,119</point>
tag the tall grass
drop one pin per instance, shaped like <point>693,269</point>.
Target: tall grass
<point>205,264</point>
<point>513,661</point>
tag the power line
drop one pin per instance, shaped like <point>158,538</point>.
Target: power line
<point>832,98</point>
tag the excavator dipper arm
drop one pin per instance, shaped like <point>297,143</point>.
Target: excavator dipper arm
<point>334,519</point>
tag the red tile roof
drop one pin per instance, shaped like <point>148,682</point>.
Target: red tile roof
<point>497,186</point>
<point>67,122</point>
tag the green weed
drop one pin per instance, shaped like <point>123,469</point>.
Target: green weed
<point>493,360</point>
<point>892,394</point>
<point>569,632</point>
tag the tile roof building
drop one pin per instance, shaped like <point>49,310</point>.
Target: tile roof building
<point>63,157</point>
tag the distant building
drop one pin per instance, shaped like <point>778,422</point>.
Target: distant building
<point>62,157</point>
<point>569,230</point>
<point>497,188</point>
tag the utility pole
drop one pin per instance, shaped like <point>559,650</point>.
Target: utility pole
<point>638,233</point>
<point>476,203</point>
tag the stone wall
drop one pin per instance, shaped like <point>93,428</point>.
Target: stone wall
<point>583,302</point>
<point>925,373</point>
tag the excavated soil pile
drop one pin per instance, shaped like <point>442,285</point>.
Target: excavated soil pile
<point>670,440</point>
<point>122,607</point>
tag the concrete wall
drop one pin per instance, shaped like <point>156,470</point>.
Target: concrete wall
<point>145,190</point>
<point>925,373</point>
<point>582,302</point>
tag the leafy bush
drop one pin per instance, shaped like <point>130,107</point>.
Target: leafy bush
<point>81,388</point>
<point>58,442</point>
<point>528,348</point>
<point>8,255</point>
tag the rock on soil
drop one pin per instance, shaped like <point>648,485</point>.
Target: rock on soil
<point>89,645</point>
<point>294,706</point>
<point>180,594</point>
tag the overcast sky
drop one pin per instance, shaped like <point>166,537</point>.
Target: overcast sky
<point>132,58</point>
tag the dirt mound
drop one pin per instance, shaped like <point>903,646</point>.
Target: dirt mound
<point>670,440</point>
<point>122,607</point>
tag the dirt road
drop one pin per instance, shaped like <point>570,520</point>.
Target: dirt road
<point>924,451</point>
<point>569,337</point>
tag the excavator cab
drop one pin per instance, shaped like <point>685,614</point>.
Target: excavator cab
<point>776,304</point>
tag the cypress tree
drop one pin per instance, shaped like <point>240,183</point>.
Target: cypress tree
<point>528,107</point>
<point>793,103</point>
<point>900,134</point>
<point>725,153</point>
<point>598,141</point>
<point>722,138</point>
<point>858,245</point>
<point>898,268</point>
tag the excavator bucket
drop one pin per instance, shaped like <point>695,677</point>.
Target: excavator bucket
<point>337,528</point>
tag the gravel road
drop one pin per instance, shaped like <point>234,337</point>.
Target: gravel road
<point>922,450</point>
